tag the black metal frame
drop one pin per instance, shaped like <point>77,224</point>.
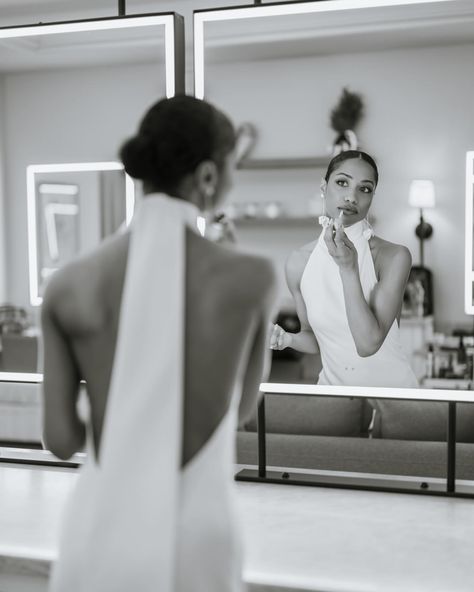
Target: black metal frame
<point>258,3</point>
<point>362,482</point>
<point>179,48</point>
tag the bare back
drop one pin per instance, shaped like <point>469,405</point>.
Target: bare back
<point>225,294</point>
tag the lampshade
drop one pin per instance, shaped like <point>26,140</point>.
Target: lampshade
<point>422,194</point>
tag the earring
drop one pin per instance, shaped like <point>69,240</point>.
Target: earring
<point>323,197</point>
<point>207,195</point>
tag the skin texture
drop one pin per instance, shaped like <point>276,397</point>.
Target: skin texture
<point>230,300</point>
<point>350,189</point>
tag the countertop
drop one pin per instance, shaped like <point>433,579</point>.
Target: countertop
<point>296,538</point>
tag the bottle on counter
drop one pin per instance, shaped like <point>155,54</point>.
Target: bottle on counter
<point>430,362</point>
<point>461,359</point>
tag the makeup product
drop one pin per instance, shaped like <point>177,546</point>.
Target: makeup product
<point>338,221</point>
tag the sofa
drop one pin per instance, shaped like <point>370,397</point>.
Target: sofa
<point>382,436</point>
<point>305,432</point>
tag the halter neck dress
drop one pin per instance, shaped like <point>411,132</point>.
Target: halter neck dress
<point>322,291</point>
<point>137,520</point>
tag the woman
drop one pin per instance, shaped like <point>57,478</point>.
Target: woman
<point>168,330</point>
<point>348,286</point>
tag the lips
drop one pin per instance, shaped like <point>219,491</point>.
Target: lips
<point>348,210</point>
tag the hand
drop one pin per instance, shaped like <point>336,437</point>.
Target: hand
<point>226,228</point>
<point>341,249</point>
<point>279,338</point>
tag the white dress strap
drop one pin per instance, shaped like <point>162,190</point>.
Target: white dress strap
<point>323,294</point>
<point>123,535</point>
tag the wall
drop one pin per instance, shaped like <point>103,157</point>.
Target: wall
<point>3,278</point>
<point>418,124</point>
<point>65,116</point>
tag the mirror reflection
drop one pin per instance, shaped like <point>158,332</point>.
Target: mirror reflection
<point>72,210</point>
<point>285,78</point>
<point>67,98</point>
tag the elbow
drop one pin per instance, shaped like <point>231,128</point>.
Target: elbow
<point>63,447</point>
<point>368,349</point>
<point>60,450</point>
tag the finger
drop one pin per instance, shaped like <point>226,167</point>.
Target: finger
<point>280,339</point>
<point>339,235</point>
<point>275,334</point>
<point>329,240</point>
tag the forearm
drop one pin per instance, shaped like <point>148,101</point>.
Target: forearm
<point>63,442</point>
<point>304,341</point>
<point>365,329</point>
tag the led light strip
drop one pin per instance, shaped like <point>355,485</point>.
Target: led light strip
<point>252,12</point>
<point>21,377</point>
<point>468,238</point>
<point>69,167</point>
<point>370,392</point>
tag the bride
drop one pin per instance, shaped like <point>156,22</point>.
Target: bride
<point>168,330</point>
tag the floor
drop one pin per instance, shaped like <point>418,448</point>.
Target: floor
<point>296,538</point>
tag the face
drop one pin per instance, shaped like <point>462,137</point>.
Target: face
<point>349,190</point>
<point>225,180</point>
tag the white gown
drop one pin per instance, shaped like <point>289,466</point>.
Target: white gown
<point>136,520</point>
<point>322,291</point>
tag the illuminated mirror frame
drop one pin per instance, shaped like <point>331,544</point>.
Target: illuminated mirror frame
<point>469,230</point>
<point>174,82</point>
<point>71,167</point>
<point>201,17</point>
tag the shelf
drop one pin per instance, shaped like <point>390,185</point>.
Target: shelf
<point>283,163</point>
<point>280,221</point>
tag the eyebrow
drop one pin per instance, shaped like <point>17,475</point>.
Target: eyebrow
<point>351,177</point>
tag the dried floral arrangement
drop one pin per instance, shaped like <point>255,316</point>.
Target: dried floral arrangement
<point>344,119</point>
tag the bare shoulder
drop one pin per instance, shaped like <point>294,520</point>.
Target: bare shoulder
<point>74,291</point>
<point>253,273</point>
<point>296,263</point>
<point>239,275</point>
<point>389,256</point>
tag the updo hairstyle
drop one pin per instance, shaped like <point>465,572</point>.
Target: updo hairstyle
<point>348,155</point>
<point>174,137</point>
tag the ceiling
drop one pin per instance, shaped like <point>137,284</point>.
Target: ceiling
<point>362,29</point>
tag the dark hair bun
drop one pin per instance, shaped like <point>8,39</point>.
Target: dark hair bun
<point>137,155</point>
<point>174,136</point>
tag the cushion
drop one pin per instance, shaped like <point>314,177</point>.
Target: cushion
<point>308,415</point>
<point>419,420</point>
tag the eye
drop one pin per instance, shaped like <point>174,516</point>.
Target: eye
<point>366,189</point>
<point>341,182</point>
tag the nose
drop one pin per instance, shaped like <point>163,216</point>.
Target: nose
<point>350,198</point>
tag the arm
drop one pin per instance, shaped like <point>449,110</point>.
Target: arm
<point>304,341</point>
<point>63,431</point>
<point>370,322</point>
<point>259,360</point>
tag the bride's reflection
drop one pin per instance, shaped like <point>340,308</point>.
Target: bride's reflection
<point>348,286</point>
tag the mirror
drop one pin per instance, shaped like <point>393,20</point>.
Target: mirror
<point>71,208</point>
<point>70,94</point>
<point>469,234</point>
<point>282,69</point>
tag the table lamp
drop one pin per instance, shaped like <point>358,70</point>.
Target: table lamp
<point>422,195</point>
